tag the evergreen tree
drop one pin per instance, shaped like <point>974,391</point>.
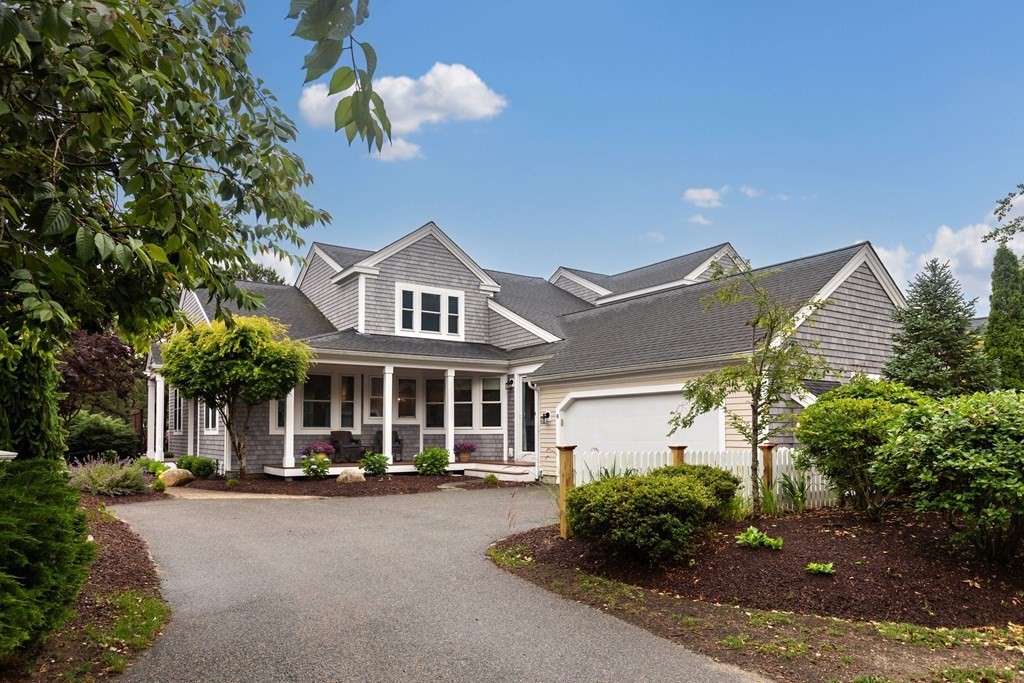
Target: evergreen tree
<point>936,351</point>
<point>1004,332</point>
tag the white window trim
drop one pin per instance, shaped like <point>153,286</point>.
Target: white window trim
<point>336,375</point>
<point>477,426</point>
<point>417,292</point>
<point>216,421</point>
<point>178,420</point>
<point>421,395</point>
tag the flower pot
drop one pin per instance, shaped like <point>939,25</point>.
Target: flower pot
<point>463,456</point>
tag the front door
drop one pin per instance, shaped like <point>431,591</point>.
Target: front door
<point>528,405</point>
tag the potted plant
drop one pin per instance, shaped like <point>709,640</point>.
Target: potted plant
<point>464,449</point>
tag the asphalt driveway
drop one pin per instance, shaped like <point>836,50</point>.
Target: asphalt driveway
<point>394,588</point>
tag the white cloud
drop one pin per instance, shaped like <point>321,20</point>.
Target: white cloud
<point>284,268</point>
<point>448,92</point>
<point>655,237</point>
<point>399,149</point>
<point>707,197</point>
<point>782,197</point>
<point>699,219</point>
<point>897,262</point>
<point>751,191</point>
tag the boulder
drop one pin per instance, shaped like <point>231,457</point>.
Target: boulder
<point>350,475</point>
<point>176,477</point>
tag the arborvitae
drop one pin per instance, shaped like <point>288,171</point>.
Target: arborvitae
<point>936,350</point>
<point>1004,332</point>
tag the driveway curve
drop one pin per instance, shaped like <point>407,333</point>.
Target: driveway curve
<point>394,588</point>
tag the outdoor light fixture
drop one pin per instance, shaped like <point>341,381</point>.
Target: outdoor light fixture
<point>510,383</point>
<point>544,417</point>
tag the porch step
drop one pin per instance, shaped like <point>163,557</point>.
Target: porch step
<point>502,472</point>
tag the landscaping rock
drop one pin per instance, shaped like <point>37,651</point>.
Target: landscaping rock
<point>350,475</point>
<point>176,477</point>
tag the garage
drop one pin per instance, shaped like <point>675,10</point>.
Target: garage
<point>634,422</point>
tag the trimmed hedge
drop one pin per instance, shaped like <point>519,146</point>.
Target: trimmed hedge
<point>657,519</point>
<point>200,467</point>
<point>44,557</point>
<point>723,484</point>
<point>92,434</point>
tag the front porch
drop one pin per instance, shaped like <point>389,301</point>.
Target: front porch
<point>504,471</point>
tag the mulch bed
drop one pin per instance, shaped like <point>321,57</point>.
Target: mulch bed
<point>388,485</point>
<point>902,569</point>
<point>122,563</point>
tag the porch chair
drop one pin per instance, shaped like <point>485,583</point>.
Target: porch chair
<point>346,449</point>
<point>396,444</point>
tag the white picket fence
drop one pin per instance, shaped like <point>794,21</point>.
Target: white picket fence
<point>592,465</point>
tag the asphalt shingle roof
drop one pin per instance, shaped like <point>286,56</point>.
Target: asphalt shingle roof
<point>282,302</point>
<point>653,275</point>
<point>350,340</point>
<point>536,299</point>
<point>819,387</point>
<point>344,256</point>
<point>672,325</point>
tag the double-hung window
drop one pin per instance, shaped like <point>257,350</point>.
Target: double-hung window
<point>463,402</point>
<point>211,419</point>
<point>490,401</point>
<point>177,421</point>
<point>434,400</point>
<point>428,312</point>
<point>316,401</point>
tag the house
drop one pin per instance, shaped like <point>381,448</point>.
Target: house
<point>417,341</point>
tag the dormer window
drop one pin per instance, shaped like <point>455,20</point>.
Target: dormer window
<point>428,312</point>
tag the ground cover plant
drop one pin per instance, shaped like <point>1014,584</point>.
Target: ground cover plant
<point>752,538</point>
<point>102,478</point>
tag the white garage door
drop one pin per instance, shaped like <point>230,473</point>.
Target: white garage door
<point>637,422</point>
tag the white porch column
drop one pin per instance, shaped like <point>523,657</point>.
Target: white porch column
<point>161,398</point>
<point>289,429</point>
<point>389,392</point>
<point>227,440</point>
<point>449,413</point>
<point>151,419</point>
<point>193,426</point>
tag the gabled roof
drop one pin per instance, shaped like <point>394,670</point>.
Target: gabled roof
<point>537,300</point>
<point>671,326</point>
<point>343,257</point>
<point>285,303</point>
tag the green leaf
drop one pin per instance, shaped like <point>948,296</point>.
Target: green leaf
<point>297,6</point>
<point>57,219</point>
<point>157,253</point>
<point>9,26</point>
<point>322,59</point>
<point>104,244</point>
<point>343,79</point>
<point>84,244</point>
<point>343,113</point>
<point>371,58</point>
<point>21,274</point>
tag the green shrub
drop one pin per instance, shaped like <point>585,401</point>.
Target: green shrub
<point>158,486</point>
<point>657,519</point>
<point>491,480</point>
<point>752,538</point>
<point>374,464</point>
<point>823,568</point>
<point>845,430</point>
<point>44,557</point>
<point>432,461</point>
<point>231,483</point>
<point>154,467</point>
<point>722,484</point>
<point>91,434</point>
<point>316,466</point>
<point>796,488</point>
<point>102,478</point>
<point>964,457</point>
<point>203,468</point>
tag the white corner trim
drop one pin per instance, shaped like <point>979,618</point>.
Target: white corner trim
<point>522,322</point>
<point>487,283</point>
<point>361,303</point>
<point>201,308</point>
<point>581,281</point>
<point>646,290</point>
<point>573,396</point>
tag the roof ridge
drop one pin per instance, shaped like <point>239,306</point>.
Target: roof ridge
<point>673,258</point>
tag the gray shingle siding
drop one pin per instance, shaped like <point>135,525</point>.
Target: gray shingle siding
<point>506,334</point>
<point>191,308</point>
<point>727,262</point>
<point>855,328</point>
<point>338,304</point>
<point>488,446</point>
<point>430,264</point>
<point>576,289</point>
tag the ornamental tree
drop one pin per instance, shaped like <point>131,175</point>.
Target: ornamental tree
<point>234,368</point>
<point>94,367</point>
<point>1004,331</point>
<point>936,350</point>
<point>774,367</point>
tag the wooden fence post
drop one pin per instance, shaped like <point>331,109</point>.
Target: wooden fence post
<point>678,454</point>
<point>767,449</point>
<point>565,482</point>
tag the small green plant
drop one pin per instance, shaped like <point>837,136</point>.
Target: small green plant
<point>138,618</point>
<point>795,490</point>
<point>200,467</point>
<point>491,480</point>
<point>101,478</point>
<point>154,467</point>
<point>737,509</point>
<point>158,486</point>
<point>316,466</point>
<point>510,558</point>
<point>822,568</point>
<point>374,464</point>
<point>752,538</point>
<point>431,462</point>
<point>231,483</point>
<point>611,472</point>
<point>770,504</point>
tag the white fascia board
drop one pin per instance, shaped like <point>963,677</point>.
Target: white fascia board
<point>202,309</point>
<point>581,281</point>
<point>522,322</point>
<point>645,290</point>
<point>398,360</point>
<point>573,396</point>
<point>356,269</point>
<point>486,282</point>
<point>804,398</point>
<point>315,250</point>
<point>726,249</point>
<point>709,362</point>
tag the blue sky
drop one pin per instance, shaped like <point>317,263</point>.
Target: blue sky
<point>607,135</point>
